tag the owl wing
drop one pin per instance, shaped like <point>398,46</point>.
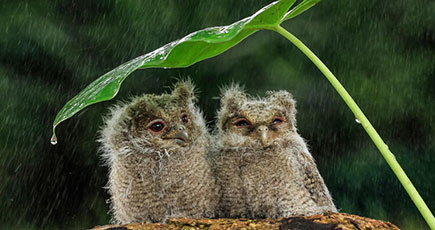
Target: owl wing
<point>313,181</point>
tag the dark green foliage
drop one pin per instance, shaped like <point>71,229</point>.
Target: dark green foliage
<point>50,50</point>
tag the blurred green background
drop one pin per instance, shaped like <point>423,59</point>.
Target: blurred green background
<point>381,51</point>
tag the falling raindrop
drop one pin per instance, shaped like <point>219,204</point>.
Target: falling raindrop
<point>53,140</point>
<point>357,121</point>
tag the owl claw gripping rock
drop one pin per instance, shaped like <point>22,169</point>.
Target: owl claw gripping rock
<point>262,164</point>
<point>155,148</point>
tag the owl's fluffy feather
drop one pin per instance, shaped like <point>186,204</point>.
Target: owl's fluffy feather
<point>274,177</point>
<point>152,178</point>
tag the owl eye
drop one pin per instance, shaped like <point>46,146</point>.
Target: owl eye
<point>184,118</point>
<point>242,123</point>
<point>277,121</point>
<point>156,126</point>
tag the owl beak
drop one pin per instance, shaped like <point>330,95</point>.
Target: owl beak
<point>181,136</point>
<point>263,135</point>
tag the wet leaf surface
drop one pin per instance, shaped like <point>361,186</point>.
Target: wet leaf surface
<point>183,52</point>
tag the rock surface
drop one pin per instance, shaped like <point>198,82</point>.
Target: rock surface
<point>332,221</point>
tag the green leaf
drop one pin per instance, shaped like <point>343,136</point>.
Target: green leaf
<point>303,6</point>
<point>183,52</point>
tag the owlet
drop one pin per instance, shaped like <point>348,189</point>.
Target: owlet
<point>262,164</point>
<point>155,147</point>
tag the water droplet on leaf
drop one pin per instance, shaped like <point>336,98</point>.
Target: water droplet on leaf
<point>53,140</point>
<point>357,121</point>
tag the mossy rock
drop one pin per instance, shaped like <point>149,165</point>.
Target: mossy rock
<point>331,221</point>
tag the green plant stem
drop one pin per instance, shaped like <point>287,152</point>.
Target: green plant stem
<point>383,148</point>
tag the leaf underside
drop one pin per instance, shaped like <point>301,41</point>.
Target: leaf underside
<point>183,52</point>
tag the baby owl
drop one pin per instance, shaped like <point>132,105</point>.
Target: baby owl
<point>262,164</point>
<point>155,147</point>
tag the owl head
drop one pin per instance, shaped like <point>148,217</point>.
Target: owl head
<point>257,122</point>
<point>165,123</point>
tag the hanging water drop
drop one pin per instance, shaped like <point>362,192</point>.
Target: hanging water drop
<point>53,140</point>
<point>357,121</point>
